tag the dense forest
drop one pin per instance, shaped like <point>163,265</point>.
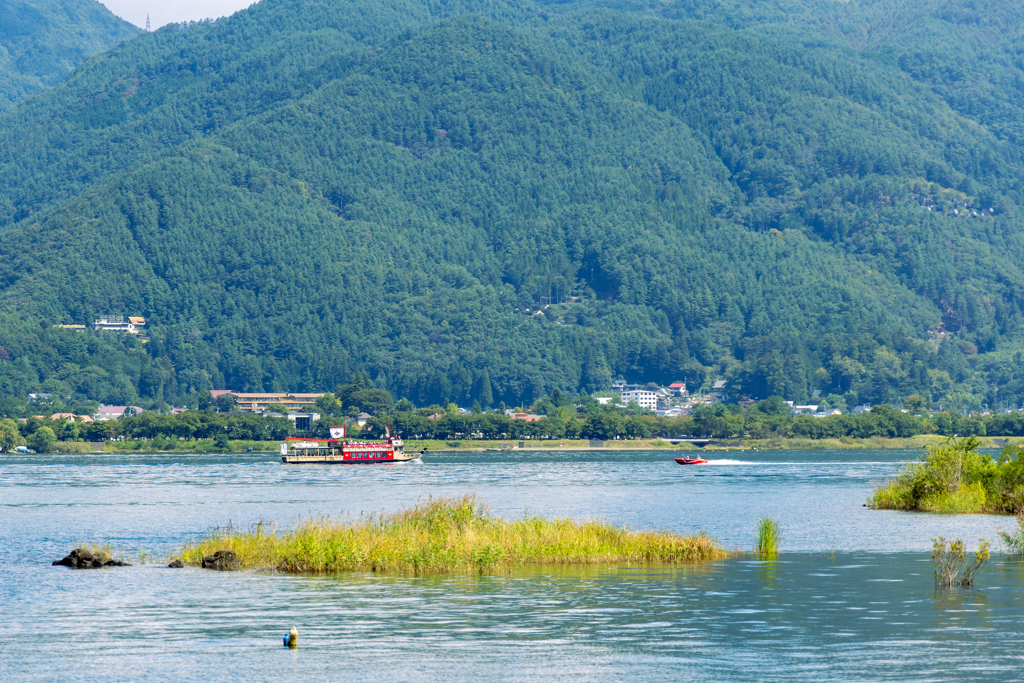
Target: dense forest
<point>42,41</point>
<point>476,200</point>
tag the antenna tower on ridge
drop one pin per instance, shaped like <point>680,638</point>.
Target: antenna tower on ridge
<point>147,23</point>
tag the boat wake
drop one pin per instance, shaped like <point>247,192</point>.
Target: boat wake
<point>730,462</point>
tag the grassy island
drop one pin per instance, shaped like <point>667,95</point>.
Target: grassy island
<point>449,535</point>
<point>954,477</point>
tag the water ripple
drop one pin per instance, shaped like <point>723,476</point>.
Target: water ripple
<point>871,613</point>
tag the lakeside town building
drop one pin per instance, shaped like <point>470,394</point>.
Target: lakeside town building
<point>104,413</point>
<point>644,399</point>
<point>261,402</point>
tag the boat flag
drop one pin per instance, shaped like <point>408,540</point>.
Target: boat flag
<point>338,432</point>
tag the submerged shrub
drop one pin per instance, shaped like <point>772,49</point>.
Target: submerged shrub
<point>952,567</point>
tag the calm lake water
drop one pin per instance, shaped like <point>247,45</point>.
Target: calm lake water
<point>870,613</point>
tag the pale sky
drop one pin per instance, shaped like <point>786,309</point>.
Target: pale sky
<point>165,11</point>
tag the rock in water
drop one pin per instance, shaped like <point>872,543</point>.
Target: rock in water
<point>80,558</point>
<point>222,560</point>
<point>176,564</point>
<point>83,558</point>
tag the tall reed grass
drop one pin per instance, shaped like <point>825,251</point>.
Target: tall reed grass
<point>448,535</point>
<point>769,536</point>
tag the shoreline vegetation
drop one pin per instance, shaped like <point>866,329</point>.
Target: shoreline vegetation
<point>955,477</point>
<point>476,445</point>
<point>448,535</point>
<point>557,422</point>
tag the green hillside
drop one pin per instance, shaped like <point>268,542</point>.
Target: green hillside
<point>41,41</point>
<point>489,201</point>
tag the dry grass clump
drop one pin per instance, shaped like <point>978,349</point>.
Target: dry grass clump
<point>101,552</point>
<point>449,535</point>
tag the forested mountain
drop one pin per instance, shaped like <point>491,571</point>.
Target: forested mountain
<point>480,200</point>
<point>41,41</point>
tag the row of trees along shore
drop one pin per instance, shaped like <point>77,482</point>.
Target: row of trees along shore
<point>768,419</point>
<point>561,418</point>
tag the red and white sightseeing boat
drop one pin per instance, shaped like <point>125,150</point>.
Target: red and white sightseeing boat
<point>338,450</point>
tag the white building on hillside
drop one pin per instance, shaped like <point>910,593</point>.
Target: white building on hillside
<point>117,323</point>
<point>644,399</point>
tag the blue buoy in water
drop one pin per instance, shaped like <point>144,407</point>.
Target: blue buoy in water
<point>292,639</point>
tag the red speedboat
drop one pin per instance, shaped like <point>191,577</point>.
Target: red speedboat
<point>692,461</point>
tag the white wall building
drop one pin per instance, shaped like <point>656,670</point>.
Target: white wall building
<point>115,412</point>
<point>117,323</point>
<point>644,399</point>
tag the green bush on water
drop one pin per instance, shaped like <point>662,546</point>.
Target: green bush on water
<point>448,535</point>
<point>769,536</point>
<point>1014,542</point>
<point>954,477</point>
